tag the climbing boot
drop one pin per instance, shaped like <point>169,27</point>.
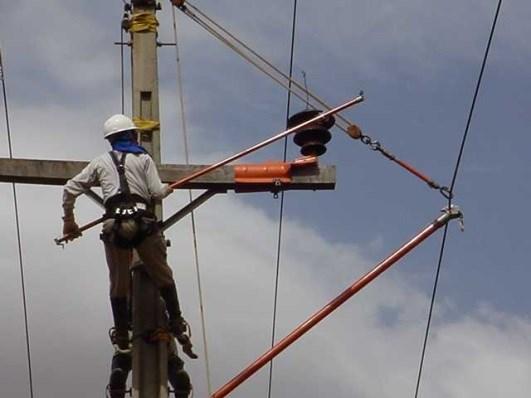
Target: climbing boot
<point>177,326</point>
<point>181,330</point>
<point>120,333</point>
<point>186,344</point>
<point>120,340</point>
<point>176,323</point>
<point>120,368</point>
<point>178,377</point>
<point>169,294</point>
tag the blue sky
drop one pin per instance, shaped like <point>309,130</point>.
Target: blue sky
<point>417,62</point>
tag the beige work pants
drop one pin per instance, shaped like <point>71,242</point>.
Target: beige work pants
<point>152,253</point>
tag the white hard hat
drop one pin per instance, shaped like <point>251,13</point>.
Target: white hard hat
<point>116,124</point>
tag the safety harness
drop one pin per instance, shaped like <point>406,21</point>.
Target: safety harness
<point>128,208</point>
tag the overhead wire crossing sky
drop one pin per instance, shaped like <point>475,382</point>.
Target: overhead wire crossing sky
<point>452,186</point>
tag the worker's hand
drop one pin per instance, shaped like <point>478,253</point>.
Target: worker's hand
<point>169,191</point>
<point>70,228</point>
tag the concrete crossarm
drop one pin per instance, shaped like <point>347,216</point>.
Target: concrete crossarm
<point>57,172</point>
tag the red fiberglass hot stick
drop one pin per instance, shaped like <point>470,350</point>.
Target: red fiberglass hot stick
<point>448,214</point>
<point>182,181</point>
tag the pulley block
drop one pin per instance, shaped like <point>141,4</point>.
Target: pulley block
<point>313,137</point>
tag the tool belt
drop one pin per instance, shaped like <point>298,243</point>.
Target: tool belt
<point>129,206</point>
<point>129,217</point>
<point>128,223</point>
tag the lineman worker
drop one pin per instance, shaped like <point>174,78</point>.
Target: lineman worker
<point>130,185</point>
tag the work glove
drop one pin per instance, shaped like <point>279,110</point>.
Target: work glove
<point>70,228</point>
<point>168,191</point>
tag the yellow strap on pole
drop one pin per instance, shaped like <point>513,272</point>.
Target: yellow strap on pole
<point>142,22</point>
<point>146,125</point>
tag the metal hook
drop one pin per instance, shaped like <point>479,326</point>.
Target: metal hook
<point>445,191</point>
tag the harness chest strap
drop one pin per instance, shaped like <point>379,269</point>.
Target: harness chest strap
<point>120,166</point>
<point>124,193</point>
<point>134,220</point>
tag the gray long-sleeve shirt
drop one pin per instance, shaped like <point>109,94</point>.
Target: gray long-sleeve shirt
<point>140,171</point>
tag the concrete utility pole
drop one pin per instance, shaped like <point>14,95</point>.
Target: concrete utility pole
<point>149,364</point>
<point>150,360</point>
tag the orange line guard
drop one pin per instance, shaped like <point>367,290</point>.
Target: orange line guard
<point>270,172</point>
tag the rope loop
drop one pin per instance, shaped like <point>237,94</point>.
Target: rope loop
<point>154,336</point>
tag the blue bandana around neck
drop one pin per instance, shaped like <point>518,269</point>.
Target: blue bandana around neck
<point>126,144</point>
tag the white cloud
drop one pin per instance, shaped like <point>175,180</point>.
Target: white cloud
<point>357,346</point>
<point>64,44</point>
<point>368,348</point>
<point>375,39</point>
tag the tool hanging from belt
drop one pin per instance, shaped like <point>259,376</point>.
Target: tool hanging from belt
<point>132,215</point>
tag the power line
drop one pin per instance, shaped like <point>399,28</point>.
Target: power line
<point>452,186</point>
<point>297,89</point>
<point>281,210</point>
<point>190,198</point>
<point>259,61</point>
<point>17,222</point>
<point>476,92</point>
<point>432,303</point>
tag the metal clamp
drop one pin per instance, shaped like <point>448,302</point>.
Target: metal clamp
<point>454,212</point>
<point>277,188</point>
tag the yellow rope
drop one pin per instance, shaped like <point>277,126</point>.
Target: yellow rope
<point>146,125</point>
<point>143,22</point>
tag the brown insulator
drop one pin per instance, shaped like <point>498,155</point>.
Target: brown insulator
<point>311,138</point>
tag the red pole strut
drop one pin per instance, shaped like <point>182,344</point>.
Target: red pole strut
<point>304,327</point>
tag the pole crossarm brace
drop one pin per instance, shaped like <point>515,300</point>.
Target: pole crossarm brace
<point>190,207</point>
<point>57,172</point>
